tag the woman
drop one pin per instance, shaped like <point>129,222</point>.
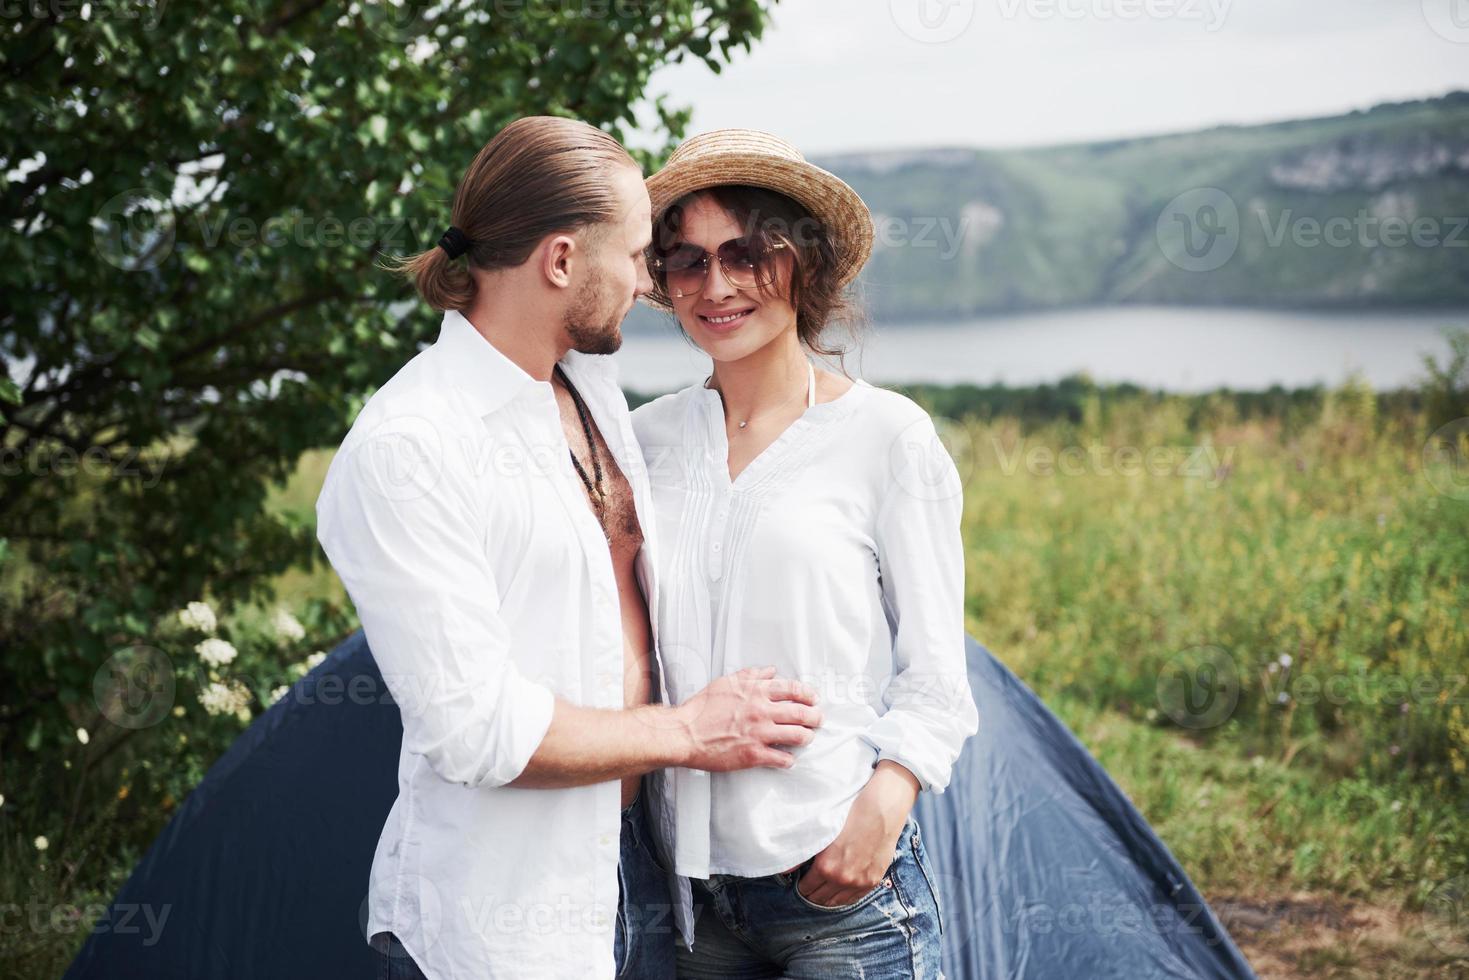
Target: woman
<point>808,521</point>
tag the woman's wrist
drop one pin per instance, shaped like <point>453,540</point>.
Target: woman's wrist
<point>894,790</point>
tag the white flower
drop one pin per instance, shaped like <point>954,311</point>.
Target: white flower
<point>215,652</point>
<point>243,715</point>
<point>198,616</point>
<point>225,699</point>
<point>279,693</point>
<point>1282,697</point>
<point>82,736</point>
<point>287,627</point>
<point>178,711</point>
<point>1397,805</point>
<point>315,659</point>
<point>42,843</point>
<point>2,799</point>
<point>1285,660</point>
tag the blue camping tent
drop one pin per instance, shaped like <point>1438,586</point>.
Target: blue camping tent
<point>1046,870</point>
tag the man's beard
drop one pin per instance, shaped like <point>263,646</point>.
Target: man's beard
<point>592,323</point>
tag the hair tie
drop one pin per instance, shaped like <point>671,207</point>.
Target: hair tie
<point>454,241</point>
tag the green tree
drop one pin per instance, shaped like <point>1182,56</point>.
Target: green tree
<point>197,200</point>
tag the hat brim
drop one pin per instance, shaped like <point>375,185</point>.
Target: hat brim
<point>842,213</point>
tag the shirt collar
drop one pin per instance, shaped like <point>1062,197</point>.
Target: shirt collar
<point>489,379</point>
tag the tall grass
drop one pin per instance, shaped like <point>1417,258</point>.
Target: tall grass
<point>1260,632</point>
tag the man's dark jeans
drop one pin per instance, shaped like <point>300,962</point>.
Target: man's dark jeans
<point>643,946</point>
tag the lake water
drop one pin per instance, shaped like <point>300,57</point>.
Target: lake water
<point>1177,349</point>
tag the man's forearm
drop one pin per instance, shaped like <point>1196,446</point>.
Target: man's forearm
<point>595,745</point>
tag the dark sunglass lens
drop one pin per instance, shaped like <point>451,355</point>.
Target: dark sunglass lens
<point>738,253</point>
<point>683,258</point>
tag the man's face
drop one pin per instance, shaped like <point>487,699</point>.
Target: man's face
<point>616,274</point>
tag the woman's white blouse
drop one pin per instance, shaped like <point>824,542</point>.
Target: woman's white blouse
<point>836,556</point>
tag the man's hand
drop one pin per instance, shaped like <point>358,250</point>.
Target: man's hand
<point>850,866</point>
<point>738,720</point>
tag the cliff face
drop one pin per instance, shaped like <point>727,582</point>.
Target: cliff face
<point>1370,208</point>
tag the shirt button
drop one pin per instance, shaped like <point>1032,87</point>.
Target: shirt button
<point>717,546</point>
<point>722,514</point>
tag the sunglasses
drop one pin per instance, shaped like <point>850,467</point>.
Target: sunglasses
<point>746,262</point>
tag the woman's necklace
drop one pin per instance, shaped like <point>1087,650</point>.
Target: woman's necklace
<point>594,488</point>
<point>810,394</point>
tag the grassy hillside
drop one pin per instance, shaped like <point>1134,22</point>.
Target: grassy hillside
<point>970,231</point>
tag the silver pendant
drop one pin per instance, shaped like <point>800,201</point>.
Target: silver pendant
<point>743,424</point>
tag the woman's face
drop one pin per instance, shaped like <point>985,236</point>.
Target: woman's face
<point>729,323</point>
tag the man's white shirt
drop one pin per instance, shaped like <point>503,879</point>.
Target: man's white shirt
<point>485,586</point>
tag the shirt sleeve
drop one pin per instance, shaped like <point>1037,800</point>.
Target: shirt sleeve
<point>401,527</point>
<point>920,551</point>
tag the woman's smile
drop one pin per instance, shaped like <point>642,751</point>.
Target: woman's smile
<point>723,321</point>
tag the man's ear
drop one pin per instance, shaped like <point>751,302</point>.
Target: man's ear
<point>557,255</point>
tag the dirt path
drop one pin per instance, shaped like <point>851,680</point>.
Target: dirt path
<point>1322,936</point>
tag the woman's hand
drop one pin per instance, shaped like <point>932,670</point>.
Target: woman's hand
<point>850,866</point>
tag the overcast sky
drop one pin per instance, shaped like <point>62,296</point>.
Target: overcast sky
<point>834,75</point>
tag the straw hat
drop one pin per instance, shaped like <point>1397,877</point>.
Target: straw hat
<point>748,156</point>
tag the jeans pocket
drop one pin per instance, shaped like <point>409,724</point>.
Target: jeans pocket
<point>883,885</point>
<point>920,857</point>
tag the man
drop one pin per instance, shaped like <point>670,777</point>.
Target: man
<point>488,514</point>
